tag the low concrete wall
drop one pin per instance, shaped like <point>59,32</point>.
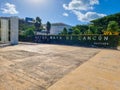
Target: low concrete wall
<point>105,41</point>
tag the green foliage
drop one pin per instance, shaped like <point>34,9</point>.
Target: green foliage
<point>98,26</point>
<point>82,28</point>
<point>70,31</point>
<point>103,22</point>
<point>48,27</point>
<point>64,32</point>
<point>24,26</point>
<point>76,31</point>
<point>26,29</point>
<point>38,23</point>
<point>29,32</point>
<point>113,26</point>
<point>88,32</point>
<point>86,29</point>
<point>92,29</point>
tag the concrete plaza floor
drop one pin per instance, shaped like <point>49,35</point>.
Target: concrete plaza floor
<point>29,66</point>
<point>102,72</point>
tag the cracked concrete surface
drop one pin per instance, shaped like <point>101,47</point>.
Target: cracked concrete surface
<point>29,66</point>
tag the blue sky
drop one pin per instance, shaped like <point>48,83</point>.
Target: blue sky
<point>71,12</point>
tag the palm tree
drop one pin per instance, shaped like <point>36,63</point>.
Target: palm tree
<point>38,24</point>
<point>48,27</point>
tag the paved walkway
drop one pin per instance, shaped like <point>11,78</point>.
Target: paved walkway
<point>101,72</point>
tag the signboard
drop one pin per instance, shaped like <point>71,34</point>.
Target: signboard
<point>106,41</point>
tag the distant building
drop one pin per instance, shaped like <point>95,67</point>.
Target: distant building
<point>29,20</point>
<point>42,32</point>
<point>57,28</point>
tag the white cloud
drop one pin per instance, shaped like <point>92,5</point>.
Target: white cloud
<point>9,9</point>
<point>81,5</point>
<point>65,14</point>
<point>86,6</point>
<point>87,16</point>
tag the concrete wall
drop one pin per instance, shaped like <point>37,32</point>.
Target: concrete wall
<point>4,31</point>
<point>14,30</point>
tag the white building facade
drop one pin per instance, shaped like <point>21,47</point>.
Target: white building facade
<point>57,28</point>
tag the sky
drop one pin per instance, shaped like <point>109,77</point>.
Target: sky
<point>71,12</point>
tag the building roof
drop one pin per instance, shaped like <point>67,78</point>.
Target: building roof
<point>58,24</point>
<point>8,17</point>
<point>4,17</point>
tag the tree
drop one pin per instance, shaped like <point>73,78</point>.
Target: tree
<point>48,27</point>
<point>38,24</point>
<point>70,31</point>
<point>77,31</point>
<point>113,26</point>
<point>29,32</point>
<point>81,28</point>
<point>38,19</point>
<point>64,32</point>
<point>104,21</point>
<point>88,32</point>
<point>94,30</point>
